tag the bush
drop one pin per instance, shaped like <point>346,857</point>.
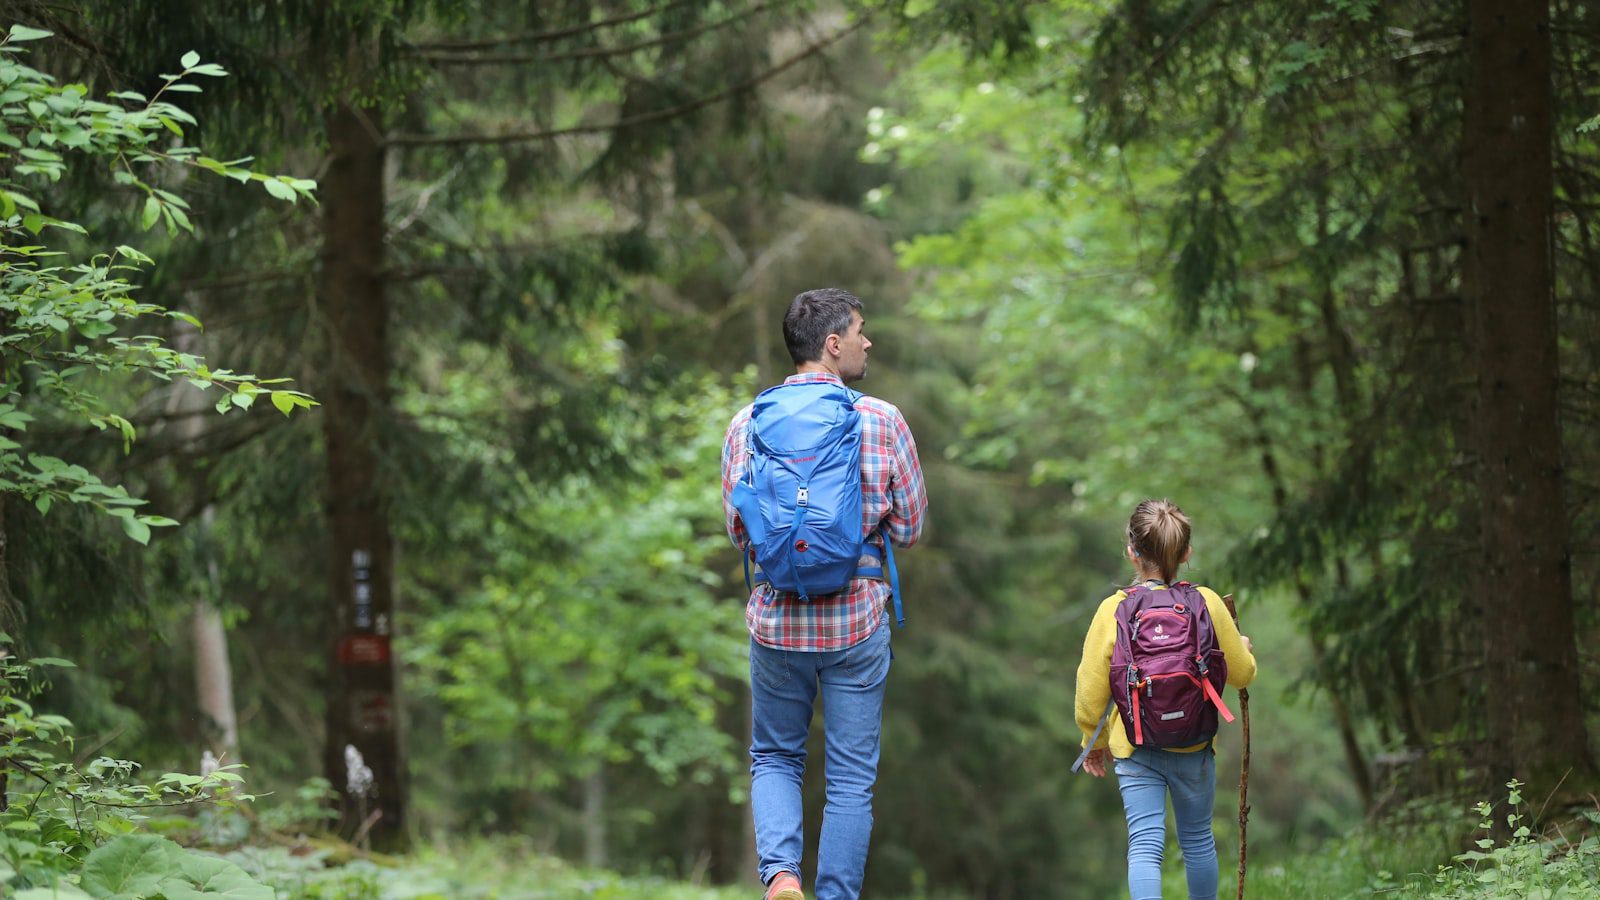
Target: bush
<point>83,831</point>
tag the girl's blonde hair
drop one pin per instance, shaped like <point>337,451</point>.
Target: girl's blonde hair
<point>1159,533</point>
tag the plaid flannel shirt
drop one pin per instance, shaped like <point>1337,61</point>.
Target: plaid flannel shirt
<point>892,494</point>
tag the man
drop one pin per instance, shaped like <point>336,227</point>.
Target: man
<point>836,642</point>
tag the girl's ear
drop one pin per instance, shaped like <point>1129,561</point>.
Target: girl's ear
<point>1187,552</point>
<point>1131,553</point>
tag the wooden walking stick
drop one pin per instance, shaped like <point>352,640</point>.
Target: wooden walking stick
<point>1244,760</point>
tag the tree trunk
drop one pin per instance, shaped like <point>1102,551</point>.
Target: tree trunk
<point>1533,708</point>
<point>752,859</point>
<point>213,675</point>
<point>362,706</point>
<point>594,818</point>
<point>214,682</point>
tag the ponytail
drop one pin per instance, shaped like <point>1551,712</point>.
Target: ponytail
<point>1159,533</point>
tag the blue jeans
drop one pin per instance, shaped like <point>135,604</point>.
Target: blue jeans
<point>1146,778</point>
<point>783,690</point>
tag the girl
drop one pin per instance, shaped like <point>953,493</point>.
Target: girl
<point>1158,542</point>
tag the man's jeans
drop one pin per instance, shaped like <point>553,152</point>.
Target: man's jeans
<point>783,689</point>
<point>1145,780</point>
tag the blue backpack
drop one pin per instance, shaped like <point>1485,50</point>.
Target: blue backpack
<point>800,498</point>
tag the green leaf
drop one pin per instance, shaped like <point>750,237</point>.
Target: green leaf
<point>280,189</point>
<point>190,60</point>
<point>208,876</point>
<point>43,502</point>
<point>53,661</point>
<point>133,254</point>
<point>283,400</point>
<point>152,212</point>
<point>136,529</point>
<point>21,33</point>
<point>34,223</point>
<point>133,865</point>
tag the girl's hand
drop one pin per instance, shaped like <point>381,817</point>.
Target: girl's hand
<point>1247,647</point>
<point>1095,762</point>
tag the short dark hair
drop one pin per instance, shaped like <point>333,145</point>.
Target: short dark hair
<point>814,315</point>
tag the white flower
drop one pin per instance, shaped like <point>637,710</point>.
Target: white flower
<point>358,775</point>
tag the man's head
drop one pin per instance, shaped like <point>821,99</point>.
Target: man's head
<point>823,330</point>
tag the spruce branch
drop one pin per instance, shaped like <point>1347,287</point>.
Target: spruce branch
<point>552,34</point>
<point>598,52</point>
<point>671,112</point>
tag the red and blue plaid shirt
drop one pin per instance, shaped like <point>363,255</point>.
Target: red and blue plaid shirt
<point>892,495</point>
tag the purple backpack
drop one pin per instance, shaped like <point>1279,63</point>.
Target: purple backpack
<point>1167,672</point>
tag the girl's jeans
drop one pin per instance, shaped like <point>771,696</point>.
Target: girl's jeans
<point>1146,778</point>
<point>783,688</point>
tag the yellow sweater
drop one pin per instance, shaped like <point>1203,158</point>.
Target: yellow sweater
<point>1094,673</point>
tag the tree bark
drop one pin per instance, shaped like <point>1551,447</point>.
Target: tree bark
<point>594,818</point>
<point>213,675</point>
<point>1533,708</point>
<point>362,705</point>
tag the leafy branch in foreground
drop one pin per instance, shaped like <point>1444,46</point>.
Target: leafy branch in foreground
<point>59,319</point>
<point>74,831</point>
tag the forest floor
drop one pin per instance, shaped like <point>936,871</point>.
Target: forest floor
<point>1416,854</point>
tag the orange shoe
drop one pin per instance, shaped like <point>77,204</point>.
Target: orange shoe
<point>784,886</point>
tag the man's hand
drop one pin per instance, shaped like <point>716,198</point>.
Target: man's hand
<point>1095,762</point>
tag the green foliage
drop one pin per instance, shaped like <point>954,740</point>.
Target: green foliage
<point>61,319</point>
<point>599,637</point>
<point>1524,865</point>
<point>310,808</point>
<point>1402,857</point>
<point>76,830</point>
<point>1362,862</point>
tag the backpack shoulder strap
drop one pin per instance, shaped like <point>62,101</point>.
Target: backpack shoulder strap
<point>1089,747</point>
